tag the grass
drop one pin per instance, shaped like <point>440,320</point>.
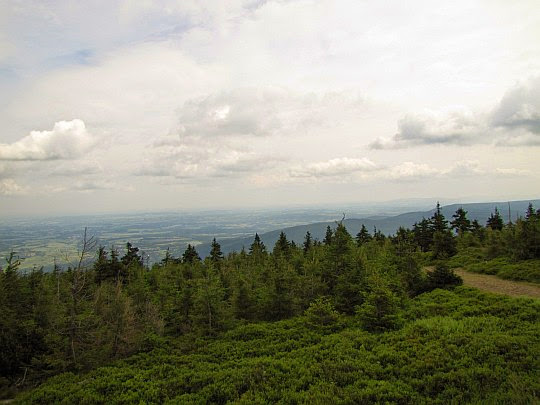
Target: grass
<point>473,259</point>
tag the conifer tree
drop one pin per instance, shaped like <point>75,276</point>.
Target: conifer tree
<point>132,257</point>
<point>190,255</point>
<point>363,236</point>
<point>282,246</point>
<point>423,234</point>
<point>495,221</point>
<point>477,229</point>
<point>215,253</point>
<point>460,222</point>
<point>257,247</point>
<point>438,221</point>
<point>116,268</point>
<point>101,266</point>
<point>378,235</point>
<point>167,259</point>
<point>328,236</point>
<point>243,305</point>
<point>308,242</point>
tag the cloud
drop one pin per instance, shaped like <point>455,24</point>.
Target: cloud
<point>465,168</point>
<point>515,121</point>
<point>8,187</point>
<point>366,170</point>
<point>67,140</point>
<point>197,162</point>
<point>87,186</point>
<point>263,111</point>
<point>455,127</point>
<point>237,112</point>
<point>76,169</point>
<point>512,171</point>
<point>517,116</point>
<point>227,134</point>
<point>520,108</point>
<point>338,167</point>
<point>409,170</point>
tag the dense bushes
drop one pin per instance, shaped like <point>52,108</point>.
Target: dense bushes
<point>454,347</point>
<point>79,318</point>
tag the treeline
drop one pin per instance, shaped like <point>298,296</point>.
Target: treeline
<point>112,305</point>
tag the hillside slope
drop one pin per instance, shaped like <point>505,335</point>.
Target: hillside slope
<point>387,225</point>
<point>454,347</point>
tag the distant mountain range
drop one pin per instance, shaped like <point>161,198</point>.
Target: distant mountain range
<point>387,225</point>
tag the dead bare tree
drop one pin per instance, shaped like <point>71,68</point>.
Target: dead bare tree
<point>77,291</point>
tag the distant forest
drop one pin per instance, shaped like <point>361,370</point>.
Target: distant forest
<point>111,305</point>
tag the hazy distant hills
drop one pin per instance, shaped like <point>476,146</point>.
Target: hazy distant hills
<point>388,225</point>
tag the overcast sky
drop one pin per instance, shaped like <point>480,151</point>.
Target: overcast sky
<point>148,105</point>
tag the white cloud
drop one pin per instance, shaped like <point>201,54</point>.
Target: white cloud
<point>457,127</point>
<point>203,160</point>
<point>367,171</point>
<point>261,91</point>
<point>228,134</point>
<point>512,171</point>
<point>465,168</point>
<point>75,168</point>
<point>410,170</point>
<point>515,121</point>
<point>9,187</point>
<point>519,110</point>
<point>87,185</point>
<point>67,140</point>
<point>265,111</point>
<point>238,112</point>
<point>337,167</point>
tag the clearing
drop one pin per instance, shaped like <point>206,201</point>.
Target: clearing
<point>497,285</point>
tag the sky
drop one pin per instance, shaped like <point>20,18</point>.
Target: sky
<point>115,106</point>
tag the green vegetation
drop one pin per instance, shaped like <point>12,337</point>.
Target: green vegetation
<point>454,347</point>
<point>343,320</point>
<point>510,251</point>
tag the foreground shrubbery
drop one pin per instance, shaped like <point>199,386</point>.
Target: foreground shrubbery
<point>527,270</point>
<point>461,346</point>
<point>366,290</point>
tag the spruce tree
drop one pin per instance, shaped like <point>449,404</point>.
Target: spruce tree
<point>282,246</point>
<point>460,222</point>
<point>328,236</point>
<point>378,235</point>
<point>495,221</point>
<point>257,247</point>
<point>190,255</point>
<point>132,256</point>
<point>101,266</point>
<point>167,259</point>
<point>423,234</point>
<point>438,221</point>
<point>308,242</point>
<point>363,236</point>
<point>215,253</point>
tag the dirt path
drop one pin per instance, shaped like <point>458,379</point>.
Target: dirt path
<point>497,285</point>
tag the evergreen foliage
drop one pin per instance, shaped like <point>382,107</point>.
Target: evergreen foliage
<point>495,221</point>
<point>308,243</point>
<point>215,251</point>
<point>74,319</point>
<point>363,236</point>
<point>460,223</point>
<point>190,255</point>
<point>457,346</point>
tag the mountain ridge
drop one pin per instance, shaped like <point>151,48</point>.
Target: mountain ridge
<point>385,224</point>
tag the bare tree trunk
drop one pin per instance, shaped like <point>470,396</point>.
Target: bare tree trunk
<point>77,288</point>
